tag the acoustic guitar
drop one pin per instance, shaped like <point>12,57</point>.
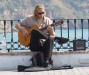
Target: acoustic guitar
<point>25,40</point>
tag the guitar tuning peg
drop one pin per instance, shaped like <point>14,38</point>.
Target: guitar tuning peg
<point>61,21</point>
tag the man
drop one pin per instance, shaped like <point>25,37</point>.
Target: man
<point>41,40</point>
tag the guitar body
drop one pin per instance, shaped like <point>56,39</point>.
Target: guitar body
<point>25,40</point>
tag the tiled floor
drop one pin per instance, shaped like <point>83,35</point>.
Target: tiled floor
<point>74,71</point>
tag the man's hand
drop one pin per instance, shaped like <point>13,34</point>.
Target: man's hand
<point>52,37</point>
<point>25,32</point>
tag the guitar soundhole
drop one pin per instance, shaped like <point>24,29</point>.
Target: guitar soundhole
<point>25,39</point>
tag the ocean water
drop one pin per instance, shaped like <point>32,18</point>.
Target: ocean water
<point>80,34</point>
<point>64,33</point>
<point>72,34</point>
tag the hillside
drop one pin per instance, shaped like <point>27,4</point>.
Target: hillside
<point>66,9</point>
<point>55,9</point>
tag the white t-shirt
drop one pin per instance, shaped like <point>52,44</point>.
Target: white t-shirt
<point>29,21</point>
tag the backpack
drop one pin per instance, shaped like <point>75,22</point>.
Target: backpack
<point>38,60</point>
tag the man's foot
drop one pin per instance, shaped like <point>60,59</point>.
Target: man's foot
<point>49,63</point>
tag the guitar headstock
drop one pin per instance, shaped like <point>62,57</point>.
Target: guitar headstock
<point>59,22</point>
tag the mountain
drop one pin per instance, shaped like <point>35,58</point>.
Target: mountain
<point>56,9</point>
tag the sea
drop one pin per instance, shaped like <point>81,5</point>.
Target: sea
<point>80,34</point>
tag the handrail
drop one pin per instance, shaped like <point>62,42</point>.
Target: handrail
<point>72,28</point>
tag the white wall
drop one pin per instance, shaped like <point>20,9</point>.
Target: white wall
<point>10,62</point>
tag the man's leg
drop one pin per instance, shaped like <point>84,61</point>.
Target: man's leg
<point>36,35</point>
<point>47,48</point>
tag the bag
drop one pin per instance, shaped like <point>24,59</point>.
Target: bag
<point>38,60</point>
<point>61,40</point>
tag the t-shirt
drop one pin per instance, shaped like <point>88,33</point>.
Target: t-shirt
<point>29,21</point>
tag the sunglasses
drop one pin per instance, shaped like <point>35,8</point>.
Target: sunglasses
<point>40,13</point>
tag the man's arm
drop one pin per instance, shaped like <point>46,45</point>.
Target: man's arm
<point>51,32</point>
<point>22,29</point>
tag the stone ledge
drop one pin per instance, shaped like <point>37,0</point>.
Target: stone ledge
<point>72,52</point>
<point>30,53</point>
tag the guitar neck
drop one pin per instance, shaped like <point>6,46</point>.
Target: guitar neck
<point>58,23</point>
<point>44,28</point>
